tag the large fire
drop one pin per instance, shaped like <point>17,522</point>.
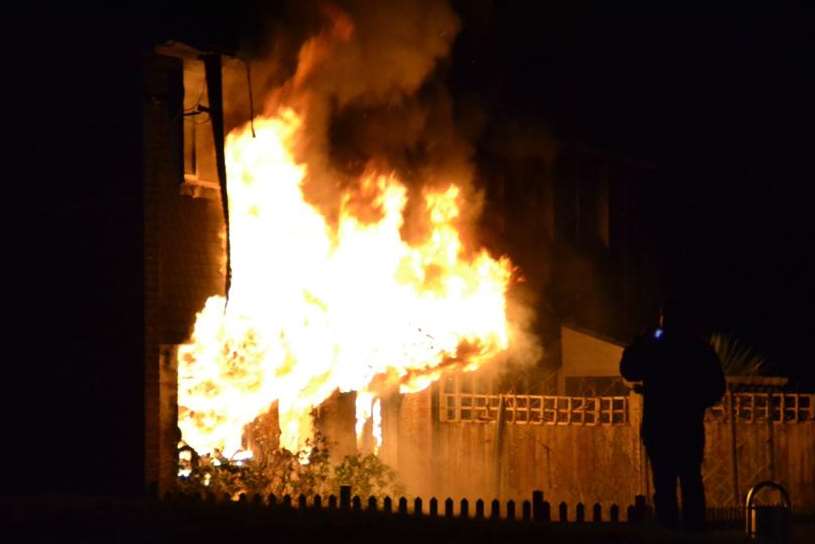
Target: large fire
<point>315,307</point>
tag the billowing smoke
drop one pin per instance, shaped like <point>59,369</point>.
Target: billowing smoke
<point>368,78</point>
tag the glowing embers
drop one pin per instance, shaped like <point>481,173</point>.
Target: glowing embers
<point>317,306</point>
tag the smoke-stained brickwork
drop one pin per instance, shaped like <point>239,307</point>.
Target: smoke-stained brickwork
<point>163,94</point>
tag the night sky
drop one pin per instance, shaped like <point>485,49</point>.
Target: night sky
<point>719,101</point>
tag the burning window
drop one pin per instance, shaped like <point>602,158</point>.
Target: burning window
<point>200,171</point>
<point>199,159</point>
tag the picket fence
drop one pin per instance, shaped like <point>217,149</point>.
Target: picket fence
<point>536,510</point>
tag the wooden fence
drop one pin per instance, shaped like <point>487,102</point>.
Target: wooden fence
<point>588,448</point>
<point>562,410</point>
<point>777,407</point>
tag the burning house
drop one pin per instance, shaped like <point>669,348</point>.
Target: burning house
<point>316,260</point>
<point>277,280</point>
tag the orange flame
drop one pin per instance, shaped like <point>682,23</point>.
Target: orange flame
<point>315,308</point>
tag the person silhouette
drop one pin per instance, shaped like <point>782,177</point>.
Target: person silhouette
<point>680,376</point>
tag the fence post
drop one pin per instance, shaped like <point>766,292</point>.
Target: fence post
<point>464,511</point>
<point>345,497</point>
<point>526,510</point>
<point>734,461</point>
<point>371,504</point>
<point>563,511</point>
<point>499,439</point>
<point>434,507</point>
<point>332,502</point>
<point>403,506</point>
<point>771,433</point>
<point>317,503</point>
<point>597,513</point>
<point>387,505</point>
<point>614,513</point>
<point>417,507</point>
<point>510,510</point>
<point>479,509</point>
<point>495,510</point>
<point>272,500</point>
<point>287,502</point>
<point>448,508</point>
<point>356,503</point>
<point>580,513</point>
<point>302,502</point>
<point>640,508</point>
<point>537,505</point>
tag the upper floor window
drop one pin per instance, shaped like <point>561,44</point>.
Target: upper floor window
<point>200,169</point>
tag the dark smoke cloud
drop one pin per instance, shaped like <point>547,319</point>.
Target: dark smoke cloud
<point>380,51</point>
<point>367,76</point>
<point>371,92</point>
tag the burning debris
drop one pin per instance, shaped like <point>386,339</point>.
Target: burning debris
<point>361,281</point>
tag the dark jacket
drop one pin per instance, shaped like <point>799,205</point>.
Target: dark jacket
<point>681,377</point>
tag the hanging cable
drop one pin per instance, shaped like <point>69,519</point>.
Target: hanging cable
<point>251,99</point>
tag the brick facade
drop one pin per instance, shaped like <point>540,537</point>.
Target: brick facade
<point>183,251</point>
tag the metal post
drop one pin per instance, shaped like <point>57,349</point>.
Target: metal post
<point>345,497</point>
<point>436,471</point>
<point>770,435</point>
<point>733,448</point>
<point>212,69</point>
<point>537,505</point>
<point>499,436</point>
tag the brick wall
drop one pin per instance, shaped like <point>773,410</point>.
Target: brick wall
<point>183,252</point>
